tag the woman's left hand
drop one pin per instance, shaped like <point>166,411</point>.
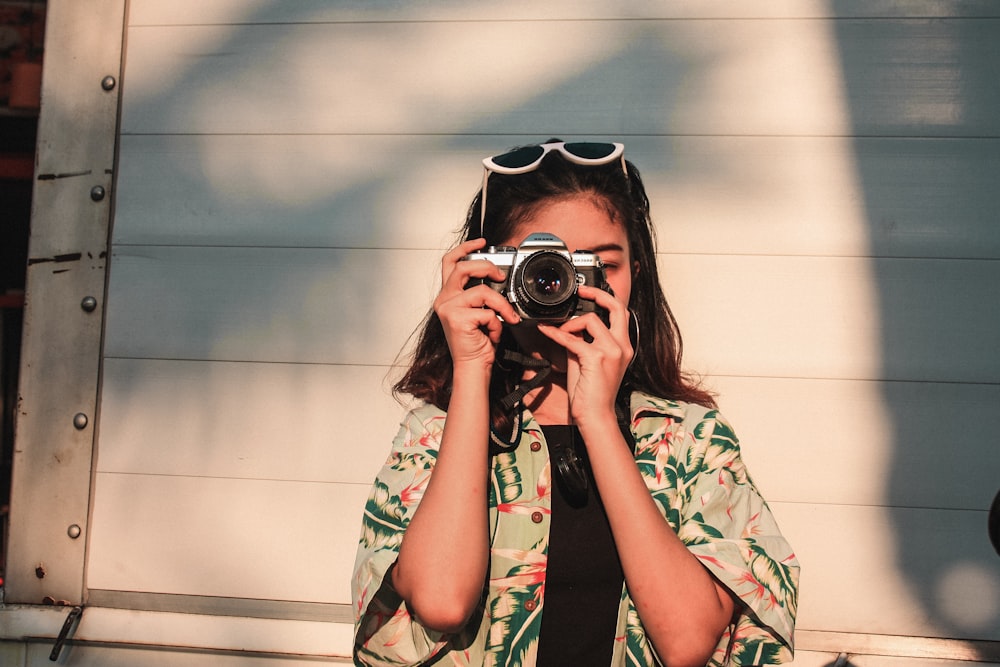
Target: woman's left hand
<point>597,355</point>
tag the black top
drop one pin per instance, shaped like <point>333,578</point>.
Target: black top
<point>583,581</point>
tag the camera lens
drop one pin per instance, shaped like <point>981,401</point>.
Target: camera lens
<point>548,281</point>
<point>545,281</point>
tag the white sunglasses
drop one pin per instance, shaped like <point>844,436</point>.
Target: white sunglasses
<point>528,158</point>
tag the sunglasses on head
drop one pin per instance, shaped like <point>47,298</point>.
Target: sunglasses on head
<point>528,158</point>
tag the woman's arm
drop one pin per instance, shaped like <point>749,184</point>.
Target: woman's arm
<point>441,568</point>
<point>682,607</point>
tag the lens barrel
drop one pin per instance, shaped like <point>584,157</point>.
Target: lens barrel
<point>545,284</point>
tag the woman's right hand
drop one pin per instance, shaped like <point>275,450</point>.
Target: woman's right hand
<point>469,316</point>
<point>440,584</point>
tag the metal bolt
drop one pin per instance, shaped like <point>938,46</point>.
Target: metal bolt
<point>108,83</point>
<point>74,531</point>
<point>89,304</point>
<point>97,192</point>
<point>80,421</point>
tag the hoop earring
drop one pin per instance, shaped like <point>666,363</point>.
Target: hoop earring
<point>633,334</point>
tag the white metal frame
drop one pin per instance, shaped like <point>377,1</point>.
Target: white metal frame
<point>56,417</point>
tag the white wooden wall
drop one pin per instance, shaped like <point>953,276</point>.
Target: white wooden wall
<point>823,176</point>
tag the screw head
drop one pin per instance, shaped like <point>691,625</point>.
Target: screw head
<point>80,421</point>
<point>108,83</point>
<point>89,304</point>
<point>97,192</point>
<point>74,531</point>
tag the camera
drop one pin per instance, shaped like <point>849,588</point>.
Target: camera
<point>541,278</point>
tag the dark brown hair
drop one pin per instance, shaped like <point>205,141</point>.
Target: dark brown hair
<point>513,199</point>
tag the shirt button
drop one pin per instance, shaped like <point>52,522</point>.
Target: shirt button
<point>536,517</point>
<point>535,446</point>
<point>529,605</point>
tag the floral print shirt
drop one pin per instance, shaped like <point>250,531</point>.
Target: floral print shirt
<point>690,460</point>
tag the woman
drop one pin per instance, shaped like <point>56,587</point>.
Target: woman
<point>562,493</point>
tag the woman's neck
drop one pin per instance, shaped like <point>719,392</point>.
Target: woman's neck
<point>549,404</point>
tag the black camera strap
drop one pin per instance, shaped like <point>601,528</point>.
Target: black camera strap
<point>512,401</point>
<point>543,366</point>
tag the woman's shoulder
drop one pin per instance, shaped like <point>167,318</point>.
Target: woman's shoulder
<point>648,406</point>
<point>699,424</point>
<point>697,435</point>
<point>421,423</point>
<point>421,410</point>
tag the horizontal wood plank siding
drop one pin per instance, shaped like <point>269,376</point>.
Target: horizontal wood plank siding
<point>187,12</point>
<point>907,78</point>
<point>822,179</point>
<point>929,198</point>
<point>743,315</point>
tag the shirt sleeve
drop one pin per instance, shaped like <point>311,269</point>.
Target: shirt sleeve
<point>728,526</point>
<point>385,632</point>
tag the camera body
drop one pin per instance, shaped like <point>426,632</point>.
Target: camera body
<point>541,278</point>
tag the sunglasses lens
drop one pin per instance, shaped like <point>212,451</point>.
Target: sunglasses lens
<point>521,157</point>
<point>589,150</point>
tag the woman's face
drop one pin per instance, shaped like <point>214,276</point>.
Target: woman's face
<point>583,224</point>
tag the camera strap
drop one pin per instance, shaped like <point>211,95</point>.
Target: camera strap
<point>514,398</point>
<point>543,366</point>
<point>510,402</point>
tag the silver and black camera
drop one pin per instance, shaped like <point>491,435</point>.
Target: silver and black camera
<point>541,278</point>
